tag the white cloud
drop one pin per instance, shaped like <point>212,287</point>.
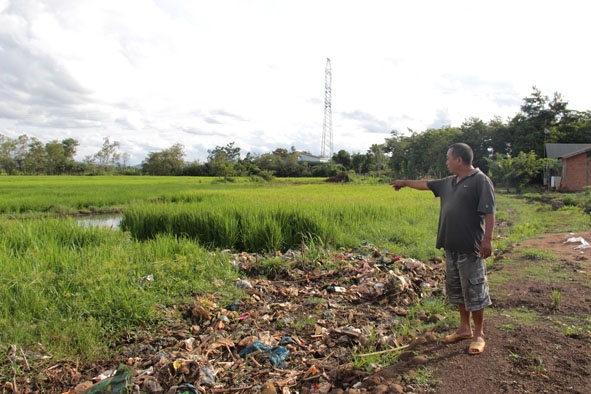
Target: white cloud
<point>150,74</point>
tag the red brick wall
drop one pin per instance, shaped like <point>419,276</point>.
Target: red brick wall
<point>575,172</point>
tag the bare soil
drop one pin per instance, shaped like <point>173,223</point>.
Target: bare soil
<point>530,356</point>
<point>536,342</point>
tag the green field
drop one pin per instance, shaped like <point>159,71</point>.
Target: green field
<point>76,289</point>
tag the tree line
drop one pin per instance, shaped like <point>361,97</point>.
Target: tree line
<point>511,151</point>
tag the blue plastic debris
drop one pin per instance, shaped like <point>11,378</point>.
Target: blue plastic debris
<point>277,353</point>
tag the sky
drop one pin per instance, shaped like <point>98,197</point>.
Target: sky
<point>153,73</point>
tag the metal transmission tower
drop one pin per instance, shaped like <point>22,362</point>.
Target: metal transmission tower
<point>326,150</point>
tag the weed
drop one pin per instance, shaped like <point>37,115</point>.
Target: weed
<point>555,299</point>
<point>423,379</point>
<point>572,330</point>
<point>521,315</point>
<point>507,328</point>
<point>536,362</point>
<point>303,322</point>
<point>514,357</point>
<point>537,254</point>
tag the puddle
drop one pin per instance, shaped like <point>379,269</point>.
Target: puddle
<point>102,221</point>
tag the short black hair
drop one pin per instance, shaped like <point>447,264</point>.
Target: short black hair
<point>464,151</point>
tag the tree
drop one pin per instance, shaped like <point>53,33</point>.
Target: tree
<point>516,171</point>
<point>7,162</point>
<point>478,135</point>
<point>55,158</point>
<point>222,160</point>
<point>539,122</point>
<point>108,156</point>
<point>167,162</point>
<point>343,158</point>
<point>35,160</point>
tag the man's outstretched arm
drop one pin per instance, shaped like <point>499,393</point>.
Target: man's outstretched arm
<point>419,185</point>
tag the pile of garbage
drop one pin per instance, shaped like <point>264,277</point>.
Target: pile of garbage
<point>296,331</point>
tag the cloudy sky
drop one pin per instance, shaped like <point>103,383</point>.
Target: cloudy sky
<point>153,73</point>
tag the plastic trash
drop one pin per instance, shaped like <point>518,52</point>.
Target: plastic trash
<point>277,353</point>
<point>207,376</point>
<point>186,388</point>
<point>243,284</point>
<point>257,346</point>
<point>120,383</point>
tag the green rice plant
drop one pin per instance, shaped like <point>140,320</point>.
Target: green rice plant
<point>281,221</point>
<point>77,288</point>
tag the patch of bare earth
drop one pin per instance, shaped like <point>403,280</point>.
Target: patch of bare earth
<point>321,317</point>
<point>540,356</point>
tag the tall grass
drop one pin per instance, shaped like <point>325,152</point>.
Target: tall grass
<point>268,219</point>
<point>73,288</point>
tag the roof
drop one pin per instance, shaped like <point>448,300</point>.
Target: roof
<point>558,151</point>
<point>313,159</point>
<point>576,153</point>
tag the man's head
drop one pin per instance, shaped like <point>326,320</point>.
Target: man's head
<point>459,157</point>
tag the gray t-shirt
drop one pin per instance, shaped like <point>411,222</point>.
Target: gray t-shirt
<point>463,206</point>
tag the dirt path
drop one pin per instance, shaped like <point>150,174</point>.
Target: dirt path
<point>533,346</point>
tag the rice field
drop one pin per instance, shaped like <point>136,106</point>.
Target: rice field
<point>77,289</point>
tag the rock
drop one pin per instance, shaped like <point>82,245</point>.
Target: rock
<point>268,388</point>
<point>435,318</point>
<point>418,360</point>
<point>381,389</point>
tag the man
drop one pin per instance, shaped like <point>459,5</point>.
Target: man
<point>466,224</point>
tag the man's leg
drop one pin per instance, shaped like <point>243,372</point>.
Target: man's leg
<point>465,327</point>
<point>478,343</point>
<point>478,317</point>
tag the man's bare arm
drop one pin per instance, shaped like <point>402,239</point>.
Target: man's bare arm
<point>418,185</point>
<point>489,226</point>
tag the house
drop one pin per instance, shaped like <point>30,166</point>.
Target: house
<point>576,165</point>
<point>304,158</point>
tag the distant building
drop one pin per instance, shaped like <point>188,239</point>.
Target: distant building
<point>576,165</point>
<point>312,159</point>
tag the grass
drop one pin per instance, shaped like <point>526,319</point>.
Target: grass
<point>423,378</point>
<point>517,316</point>
<point>77,289</point>
<point>555,299</point>
<point>538,254</point>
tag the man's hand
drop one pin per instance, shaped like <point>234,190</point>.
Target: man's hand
<point>485,249</point>
<point>397,185</point>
